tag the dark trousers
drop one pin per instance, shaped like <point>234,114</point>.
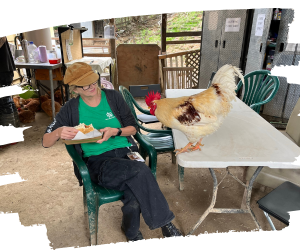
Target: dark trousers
<point>114,170</point>
<point>7,105</point>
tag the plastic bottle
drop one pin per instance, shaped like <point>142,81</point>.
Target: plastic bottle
<point>275,14</point>
<point>33,53</point>
<point>24,44</point>
<point>58,52</point>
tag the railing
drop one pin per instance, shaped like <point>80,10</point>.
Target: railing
<point>177,78</point>
<point>176,66</point>
<point>96,47</point>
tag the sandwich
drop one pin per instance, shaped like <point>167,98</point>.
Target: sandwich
<point>85,128</point>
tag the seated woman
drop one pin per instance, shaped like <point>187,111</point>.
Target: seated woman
<point>107,160</point>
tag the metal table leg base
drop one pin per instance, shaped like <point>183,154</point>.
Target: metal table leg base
<point>211,208</point>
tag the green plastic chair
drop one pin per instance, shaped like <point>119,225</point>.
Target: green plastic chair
<point>94,195</point>
<point>161,140</point>
<point>260,88</point>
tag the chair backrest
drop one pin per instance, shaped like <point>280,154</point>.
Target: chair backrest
<point>211,78</point>
<point>128,99</point>
<point>293,126</point>
<point>260,88</point>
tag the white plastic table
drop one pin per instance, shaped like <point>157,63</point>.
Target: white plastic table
<point>48,66</point>
<point>244,139</point>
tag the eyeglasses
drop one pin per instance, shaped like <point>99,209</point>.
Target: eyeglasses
<point>86,87</point>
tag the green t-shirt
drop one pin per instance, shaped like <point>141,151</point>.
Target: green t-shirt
<point>101,117</point>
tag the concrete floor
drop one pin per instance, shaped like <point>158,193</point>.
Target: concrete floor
<point>51,195</point>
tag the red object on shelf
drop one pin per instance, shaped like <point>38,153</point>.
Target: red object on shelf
<point>54,61</point>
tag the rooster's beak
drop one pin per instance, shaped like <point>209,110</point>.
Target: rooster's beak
<point>149,107</point>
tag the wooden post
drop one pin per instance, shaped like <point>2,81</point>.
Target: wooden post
<point>163,46</point>
<point>163,33</point>
<point>112,43</point>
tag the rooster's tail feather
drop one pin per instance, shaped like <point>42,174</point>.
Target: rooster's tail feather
<point>225,80</point>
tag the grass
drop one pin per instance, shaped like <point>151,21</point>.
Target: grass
<point>184,21</point>
<point>148,30</point>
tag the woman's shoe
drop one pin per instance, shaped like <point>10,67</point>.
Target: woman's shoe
<point>139,235</point>
<point>170,230</point>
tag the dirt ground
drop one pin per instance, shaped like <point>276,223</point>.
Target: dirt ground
<point>51,195</point>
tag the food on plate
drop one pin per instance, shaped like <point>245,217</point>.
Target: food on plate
<point>85,128</point>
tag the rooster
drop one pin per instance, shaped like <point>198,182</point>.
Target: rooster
<point>201,114</point>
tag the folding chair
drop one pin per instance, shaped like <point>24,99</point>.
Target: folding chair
<point>280,201</point>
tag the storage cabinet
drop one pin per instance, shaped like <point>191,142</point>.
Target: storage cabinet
<point>273,42</point>
<point>288,94</point>
<point>222,41</point>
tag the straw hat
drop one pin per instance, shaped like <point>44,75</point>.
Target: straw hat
<point>80,74</point>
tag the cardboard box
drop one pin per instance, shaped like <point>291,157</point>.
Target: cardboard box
<point>92,136</point>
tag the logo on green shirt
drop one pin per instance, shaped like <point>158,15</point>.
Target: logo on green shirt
<point>109,115</point>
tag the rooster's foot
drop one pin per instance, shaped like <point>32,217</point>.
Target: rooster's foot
<point>185,149</point>
<point>197,146</point>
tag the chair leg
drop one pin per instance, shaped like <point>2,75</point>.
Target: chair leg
<point>270,221</point>
<point>93,209</point>
<point>84,201</point>
<point>173,158</point>
<point>180,177</point>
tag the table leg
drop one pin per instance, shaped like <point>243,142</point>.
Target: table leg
<point>39,91</point>
<point>180,177</point>
<point>248,198</point>
<point>211,208</point>
<point>212,204</point>
<point>52,93</point>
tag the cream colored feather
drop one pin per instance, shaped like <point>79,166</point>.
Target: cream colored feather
<point>225,79</point>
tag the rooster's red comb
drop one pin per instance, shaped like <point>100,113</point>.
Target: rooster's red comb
<point>151,97</point>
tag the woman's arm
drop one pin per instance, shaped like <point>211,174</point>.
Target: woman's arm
<point>109,132</point>
<point>68,133</point>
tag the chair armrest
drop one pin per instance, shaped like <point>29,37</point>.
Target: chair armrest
<point>169,131</point>
<point>150,150</point>
<point>262,102</point>
<point>84,172</point>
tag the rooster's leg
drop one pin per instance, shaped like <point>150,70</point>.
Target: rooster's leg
<point>197,146</point>
<point>185,149</point>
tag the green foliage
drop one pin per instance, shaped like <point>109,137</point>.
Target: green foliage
<point>56,27</point>
<point>184,21</point>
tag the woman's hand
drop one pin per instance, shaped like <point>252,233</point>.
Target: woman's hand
<point>107,133</point>
<point>67,133</point>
